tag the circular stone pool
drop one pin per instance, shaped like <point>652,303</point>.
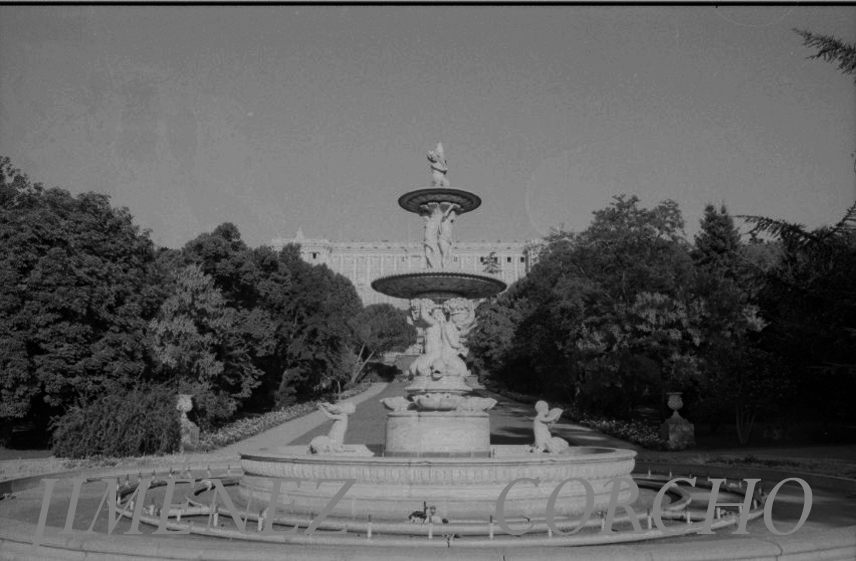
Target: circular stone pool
<point>460,488</point>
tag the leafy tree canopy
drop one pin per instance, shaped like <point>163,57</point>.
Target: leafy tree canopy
<point>78,284</point>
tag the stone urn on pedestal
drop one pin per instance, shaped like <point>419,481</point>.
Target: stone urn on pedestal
<point>189,430</point>
<point>679,432</point>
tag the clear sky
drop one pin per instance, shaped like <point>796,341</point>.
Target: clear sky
<point>321,116</point>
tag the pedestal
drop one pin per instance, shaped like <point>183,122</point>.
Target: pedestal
<point>438,434</point>
<point>679,432</point>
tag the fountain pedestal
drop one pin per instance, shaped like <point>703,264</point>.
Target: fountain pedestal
<point>438,434</point>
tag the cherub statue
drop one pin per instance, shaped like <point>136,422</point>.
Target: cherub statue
<point>334,440</point>
<point>439,169</point>
<point>544,441</point>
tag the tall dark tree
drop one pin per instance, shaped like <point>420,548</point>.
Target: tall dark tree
<point>831,49</point>
<point>740,380</point>
<point>808,298</point>
<point>199,346</point>
<point>78,285</point>
<point>604,317</point>
<point>317,327</point>
<point>809,302</point>
<point>718,241</point>
<point>294,317</point>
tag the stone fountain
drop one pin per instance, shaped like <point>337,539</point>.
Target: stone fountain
<point>437,467</point>
<point>438,450</point>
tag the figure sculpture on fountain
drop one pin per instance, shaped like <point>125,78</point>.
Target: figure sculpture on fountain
<point>437,238</point>
<point>443,335</point>
<point>444,234</point>
<point>461,319</point>
<point>334,440</point>
<point>544,441</point>
<point>439,169</point>
<point>429,316</point>
<point>432,214</point>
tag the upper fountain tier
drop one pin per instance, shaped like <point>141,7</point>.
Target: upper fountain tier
<point>438,285</point>
<point>415,201</point>
<point>439,193</point>
<point>438,205</point>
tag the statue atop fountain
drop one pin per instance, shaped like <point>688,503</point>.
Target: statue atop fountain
<point>439,168</point>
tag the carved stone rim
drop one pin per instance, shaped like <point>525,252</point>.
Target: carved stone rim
<point>585,455</point>
<point>413,200</point>
<point>461,284</point>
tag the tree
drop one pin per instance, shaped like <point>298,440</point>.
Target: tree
<point>379,328</point>
<point>198,344</point>
<point>317,324</point>
<point>603,318</point>
<point>808,300</point>
<point>718,241</point>
<point>78,285</point>
<point>737,374</point>
<point>808,297</point>
<point>294,317</point>
<point>831,49</point>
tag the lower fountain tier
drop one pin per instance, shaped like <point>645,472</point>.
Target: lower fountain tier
<point>438,433</point>
<point>461,489</point>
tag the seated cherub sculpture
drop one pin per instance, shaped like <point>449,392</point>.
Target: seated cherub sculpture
<point>544,441</point>
<point>334,440</point>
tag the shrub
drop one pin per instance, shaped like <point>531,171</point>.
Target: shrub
<point>136,422</point>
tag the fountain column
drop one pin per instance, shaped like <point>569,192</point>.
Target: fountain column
<point>439,417</point>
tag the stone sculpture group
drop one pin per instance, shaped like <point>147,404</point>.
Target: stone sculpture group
<point>438,217</point>
<point>437,241</point>
<point>445,325</point>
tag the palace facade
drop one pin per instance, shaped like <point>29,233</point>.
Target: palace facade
<point>363,262</point>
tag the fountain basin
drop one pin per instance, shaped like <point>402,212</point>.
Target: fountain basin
<point>439,285</point>
<point>413,201</point>
<point>462,489</point>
